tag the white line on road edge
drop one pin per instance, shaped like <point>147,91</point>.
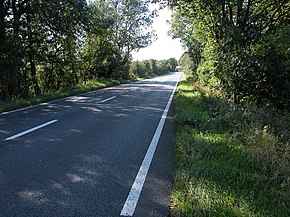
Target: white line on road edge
<point>105,100</point>
<point>133,197</point>
<point>30,130</point>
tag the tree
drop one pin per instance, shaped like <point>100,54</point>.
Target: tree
<point>234,36</point>
<point>115,28</point>
<point>11,17</point>
<point>191,36</point>
<point>147,68</point>
<point>172,63</point>
<point>38,34</point>
<point>132,30</point>
<point>48,45</point>
<point>187,63</point>
<point>99,50</point>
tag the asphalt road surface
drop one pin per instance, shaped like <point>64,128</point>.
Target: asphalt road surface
<point>81,156</point>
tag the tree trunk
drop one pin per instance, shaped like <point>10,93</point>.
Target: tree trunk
<point>34,79</point>
<point>3,81</point>
<point>2,22</point>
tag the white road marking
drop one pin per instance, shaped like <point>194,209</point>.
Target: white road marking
<point>133,197</point>
<point>105,100</point>
<point>65,98</point>
<point>30,130</point>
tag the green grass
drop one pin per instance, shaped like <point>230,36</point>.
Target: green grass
<point>229,162</point>
<point>89,86</point>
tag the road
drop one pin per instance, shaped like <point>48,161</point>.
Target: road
<point>80,156</point>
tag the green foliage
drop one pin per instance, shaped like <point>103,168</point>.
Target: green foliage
<point>40,34</point>
<point>132,29</point>
<point>187,64</point>
<point>147,68</point>
<point>188,31</point>
<point>208,67</point>
<point>52,45</point>
<point>100,56</point>
<point>229,162</point>
<point>261,74</point>
<point>243,46</point>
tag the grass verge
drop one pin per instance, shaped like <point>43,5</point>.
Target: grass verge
<point>89,86</point>
<point>229,162</point>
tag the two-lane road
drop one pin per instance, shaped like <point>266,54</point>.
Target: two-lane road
<point>86,155</point>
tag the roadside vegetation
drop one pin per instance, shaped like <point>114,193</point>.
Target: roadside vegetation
<point>232,110</point>
<point>241,47</point>
<point>137,70</point>
<point>229,162</point>
<point>53,49</point>
<point>47,46</point>
<point>149,68</point>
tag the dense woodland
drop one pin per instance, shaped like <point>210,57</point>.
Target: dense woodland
<point>239,46</point>
<point>50,45</point>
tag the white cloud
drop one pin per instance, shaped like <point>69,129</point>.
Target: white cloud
<point>164,47</point>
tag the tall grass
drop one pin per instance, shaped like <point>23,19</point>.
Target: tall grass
<point>229,162</point>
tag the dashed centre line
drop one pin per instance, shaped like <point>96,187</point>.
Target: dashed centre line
<point>30,130</point>
<point>106,100</point>
<point>45,124</point>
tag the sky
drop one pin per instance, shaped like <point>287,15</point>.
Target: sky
<point>164,47</point>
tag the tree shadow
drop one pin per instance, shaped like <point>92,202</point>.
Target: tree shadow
<point>61,170</point>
